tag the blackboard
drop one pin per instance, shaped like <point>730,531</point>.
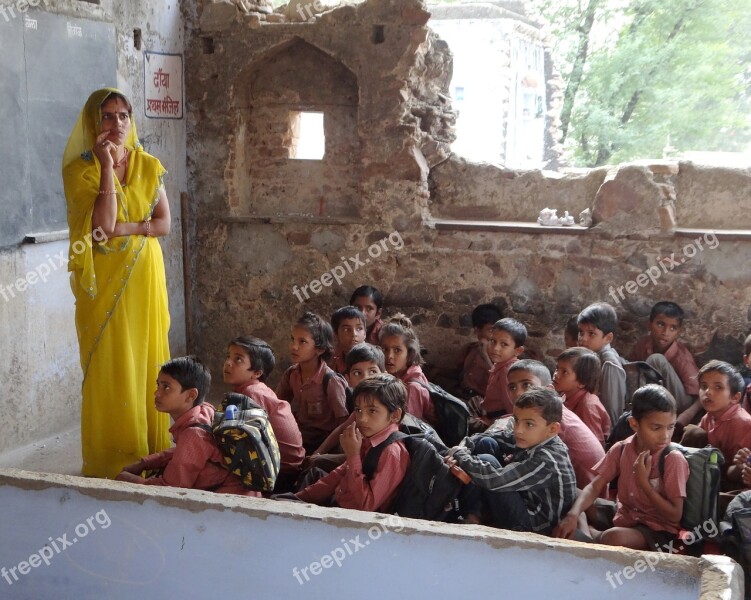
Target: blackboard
<point>49,64</point>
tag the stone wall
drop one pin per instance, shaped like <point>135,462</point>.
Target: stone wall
<point>256,247</point>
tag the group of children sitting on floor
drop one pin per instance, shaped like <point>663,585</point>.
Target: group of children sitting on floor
<point>536,455</point>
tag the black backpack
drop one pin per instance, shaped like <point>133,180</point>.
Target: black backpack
<point>638,373</point>
<point>428,490</point>
<point>452,414</point>
<point>349,400</point>
<point>703,486</point>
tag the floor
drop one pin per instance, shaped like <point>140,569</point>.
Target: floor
<point>60,453</point>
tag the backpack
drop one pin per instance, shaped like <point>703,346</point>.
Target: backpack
<point>638,373</point>
<point>429,490</point>
<point>247,443</point>
<point>451,413</point>
<point>703,485</point>
<point>349,399</point>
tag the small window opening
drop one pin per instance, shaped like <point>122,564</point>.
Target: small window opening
<point>137,38</point>
<point>379,34</point>
<point>308,141</point>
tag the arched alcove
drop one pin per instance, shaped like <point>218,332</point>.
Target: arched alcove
<point>271,97</point>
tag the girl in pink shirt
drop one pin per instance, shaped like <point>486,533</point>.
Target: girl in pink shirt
<point>576,377</point>
<point>401,349</point>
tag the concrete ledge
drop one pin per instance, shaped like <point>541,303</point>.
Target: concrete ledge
<point>186,543</point>
<point>536,228</point>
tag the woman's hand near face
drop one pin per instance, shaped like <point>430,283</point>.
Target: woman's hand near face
<point>105,150</point>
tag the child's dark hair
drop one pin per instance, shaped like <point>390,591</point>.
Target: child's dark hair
<point>535,367</point>
<point>368,291</point>
<point>259,352</point>
<point>601,315</point>
<point>320,331</point>
<point>385,388</point>
<point>190,373</point>
<point>365,352</point>
<point>747,346</point>
<point>586,366</point>
<point>514,328</point>
<point>544,399</point>
<point>486,313</point>
<point>572,327</point>
<point>735,379</point>
<point>652,398</point>
<point>401,326</point>
<point>669,309</point>
<point>345,312</point>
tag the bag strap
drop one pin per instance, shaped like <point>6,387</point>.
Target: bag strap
<point>663,455</point>
<point>210,430</point>
<point>370,462</point>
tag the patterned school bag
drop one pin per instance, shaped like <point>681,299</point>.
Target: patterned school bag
<point>247,443</point>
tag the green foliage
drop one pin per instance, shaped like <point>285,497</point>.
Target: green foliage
<point>649,71</point>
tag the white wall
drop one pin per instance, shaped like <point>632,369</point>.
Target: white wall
<point>147,543</point>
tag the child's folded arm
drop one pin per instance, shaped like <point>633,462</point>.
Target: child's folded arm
<point>189,458</point>
<point>323,489</point>
<point>158,460</point>
<point>527,475</point>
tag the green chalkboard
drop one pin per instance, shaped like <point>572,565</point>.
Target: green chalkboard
<point>49,64</point>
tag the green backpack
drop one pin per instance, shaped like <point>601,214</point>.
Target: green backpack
<point>703,486</point>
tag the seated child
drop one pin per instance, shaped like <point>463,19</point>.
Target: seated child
<point>348,324</point>
<point>249,362</point>
<point>475,363</point>
<point>584,449</point>
<point>726,426</point>
<point>575,379</point>
<point>662,350</point>
<point>597,325</point>
<point>571,332</point>
<point>649,507</point>
<point>369,301</point>
<point>379,407</point>
<point>536,485</point>
<point>505,344</point>
<point>363,361</point>
<point>316,413</point>
<point>401,348</point>
<point>195,460</point>
<point>747,362</point>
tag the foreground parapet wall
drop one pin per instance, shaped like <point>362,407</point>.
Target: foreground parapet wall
<point>80,538</point>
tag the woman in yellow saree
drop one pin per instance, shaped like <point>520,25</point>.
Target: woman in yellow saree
<point>117,207</point>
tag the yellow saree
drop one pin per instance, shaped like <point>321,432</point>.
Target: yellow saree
<point>122,318</point>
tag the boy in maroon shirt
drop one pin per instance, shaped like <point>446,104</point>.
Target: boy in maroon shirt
<point>349,327</point>
<point>663,351</point>
<point>195,461</point>
<point>505,345</point>
<point>380,403</point>
<point>249,362</point>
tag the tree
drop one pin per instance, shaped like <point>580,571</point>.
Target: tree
<point>643,71</point>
